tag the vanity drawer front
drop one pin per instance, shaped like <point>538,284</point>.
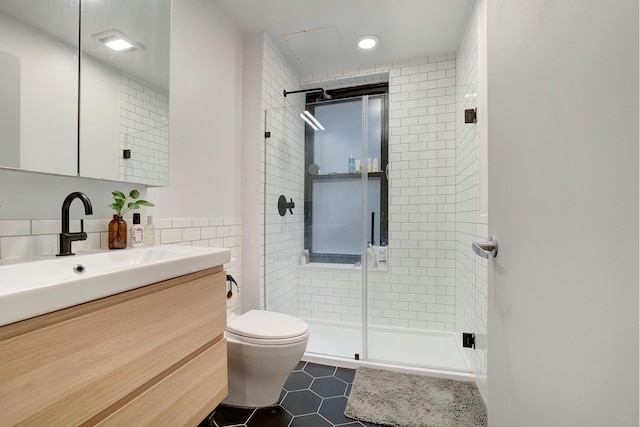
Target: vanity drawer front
<point>184,398</point>
<point>90,357</point>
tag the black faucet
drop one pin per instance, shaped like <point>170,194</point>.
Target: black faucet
<point>65,237</point>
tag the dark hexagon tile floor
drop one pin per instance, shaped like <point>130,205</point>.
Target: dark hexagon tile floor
<point>313,396</point>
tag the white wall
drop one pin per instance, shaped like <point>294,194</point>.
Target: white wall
<point>563,188</point>
<point>252,173</point>
<point>27,195</point>
<point>205,112</point>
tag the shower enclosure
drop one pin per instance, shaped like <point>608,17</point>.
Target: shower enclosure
<point>365,251</point>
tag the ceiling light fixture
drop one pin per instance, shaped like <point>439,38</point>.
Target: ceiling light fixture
<point>368,42</point>
<point>119,44</point>
<point>117,41</point>
<point>309,122</point>
<point>313,119</point>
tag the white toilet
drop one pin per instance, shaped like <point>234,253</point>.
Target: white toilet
<point>263,347</point>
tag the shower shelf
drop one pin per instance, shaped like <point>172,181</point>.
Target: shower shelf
<point>337,176</point>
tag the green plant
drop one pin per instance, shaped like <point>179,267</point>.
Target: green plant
<point>120,204</point>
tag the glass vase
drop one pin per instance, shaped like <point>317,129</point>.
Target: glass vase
<point>117,233</point>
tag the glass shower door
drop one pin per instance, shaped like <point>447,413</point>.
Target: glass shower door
<point>283,234</point>
<point>333,226</point>
<point>313,255</point>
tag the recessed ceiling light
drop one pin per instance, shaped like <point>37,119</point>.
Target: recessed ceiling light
<point>119,44</point>
<point>117,41</point>
<point>367,42</point>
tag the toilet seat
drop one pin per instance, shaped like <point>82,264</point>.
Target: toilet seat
<point>267,328</point>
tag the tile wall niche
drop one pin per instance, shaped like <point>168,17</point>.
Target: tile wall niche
<point>29,238</point>
<point>284,165</point>
<point>144,129</point>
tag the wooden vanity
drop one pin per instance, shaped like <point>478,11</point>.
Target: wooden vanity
<point>155,355</point>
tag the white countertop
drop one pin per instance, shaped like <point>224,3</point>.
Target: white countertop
<point>42,285</point>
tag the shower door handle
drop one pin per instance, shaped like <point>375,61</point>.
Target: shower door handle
<point>485,249</point>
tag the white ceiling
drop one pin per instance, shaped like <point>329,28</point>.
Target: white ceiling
<point>319,36</point>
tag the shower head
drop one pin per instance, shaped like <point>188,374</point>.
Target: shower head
<point>324,96</point>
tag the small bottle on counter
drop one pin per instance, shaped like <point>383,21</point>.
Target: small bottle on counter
<point>352,164</point>
<point>137,232</point>
<point>149,232</point>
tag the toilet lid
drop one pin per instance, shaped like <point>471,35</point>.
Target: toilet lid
<point>267,325</point>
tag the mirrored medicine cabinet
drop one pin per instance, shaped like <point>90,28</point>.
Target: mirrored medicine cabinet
<point>84,88</point>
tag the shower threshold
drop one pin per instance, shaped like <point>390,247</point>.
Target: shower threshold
<point>430,352</point>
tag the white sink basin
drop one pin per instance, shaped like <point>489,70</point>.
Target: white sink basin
<point>33,288</point>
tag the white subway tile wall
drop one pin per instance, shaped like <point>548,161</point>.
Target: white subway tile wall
<point>144,129</point>
<point>471,270</point>
<point>433,155</point>
<point>29,238</point>
<point>15,228</point>
<point>340,79</point>
<point>330,293</point>
<point>418,291</point>
<point>284,165</point>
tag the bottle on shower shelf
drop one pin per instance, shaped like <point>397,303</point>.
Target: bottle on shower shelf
<point>352,164</point>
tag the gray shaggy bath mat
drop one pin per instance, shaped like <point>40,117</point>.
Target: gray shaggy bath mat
<point>407,400</point>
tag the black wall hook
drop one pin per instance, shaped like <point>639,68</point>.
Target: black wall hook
<point>283,205</point>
